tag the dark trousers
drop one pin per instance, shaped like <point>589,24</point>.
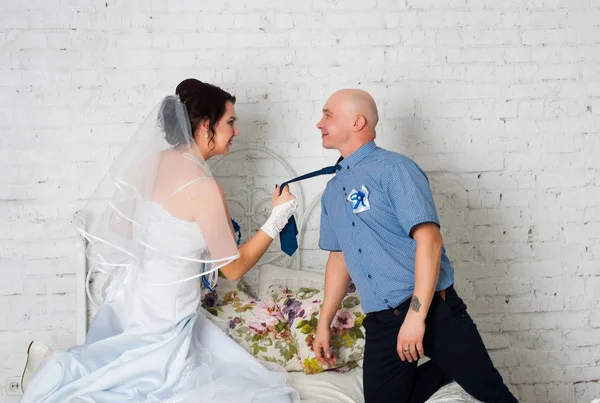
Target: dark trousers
<point>453,345</point>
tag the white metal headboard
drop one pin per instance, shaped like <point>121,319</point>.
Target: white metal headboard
<point>250,200</point>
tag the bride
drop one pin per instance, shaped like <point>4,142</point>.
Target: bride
<point>161,223</point>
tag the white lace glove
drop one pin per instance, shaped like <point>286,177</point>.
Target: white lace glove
<point>279,217</point>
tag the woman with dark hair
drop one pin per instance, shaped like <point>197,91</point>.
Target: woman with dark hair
<point>165,225</point>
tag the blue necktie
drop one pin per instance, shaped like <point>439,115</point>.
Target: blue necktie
<point>287,236</point>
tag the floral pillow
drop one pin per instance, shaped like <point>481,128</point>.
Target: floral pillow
<point>301,308</point>
<point>257,325</point>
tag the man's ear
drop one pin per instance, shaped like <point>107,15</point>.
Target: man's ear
<point>359,123</point>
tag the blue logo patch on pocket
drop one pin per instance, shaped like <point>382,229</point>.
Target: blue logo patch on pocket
<point>359,200</point>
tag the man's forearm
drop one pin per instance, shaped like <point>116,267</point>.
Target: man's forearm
<point>337,280</point>
<point>427,270</point>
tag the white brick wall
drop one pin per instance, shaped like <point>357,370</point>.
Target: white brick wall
<point>499,100</point>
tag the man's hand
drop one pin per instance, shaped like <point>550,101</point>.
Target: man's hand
<point>321,346</point>
<point>410,338</point>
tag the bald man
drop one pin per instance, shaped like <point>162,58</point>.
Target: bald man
<point>380,225</point>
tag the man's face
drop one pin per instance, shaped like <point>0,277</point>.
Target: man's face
<point>334,124</point>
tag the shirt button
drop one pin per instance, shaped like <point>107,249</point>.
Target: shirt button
<point>343,188</point>
<point>385,300</point>
<point>353,223</point>
<point>360,251</point>
<point>369,276</point>
<point>347,166</point>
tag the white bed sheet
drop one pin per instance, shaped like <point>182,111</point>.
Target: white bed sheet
<point>331,387</point>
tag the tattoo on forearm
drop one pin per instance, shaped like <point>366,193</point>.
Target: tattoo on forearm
<point>415,304</point>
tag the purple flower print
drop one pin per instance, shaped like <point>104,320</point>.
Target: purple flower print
<point>209,300</point>
<point>234,322</point>
<point>292,309</point>
<point>351,288</point>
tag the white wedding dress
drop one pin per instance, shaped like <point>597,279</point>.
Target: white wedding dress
<point>149,343</point>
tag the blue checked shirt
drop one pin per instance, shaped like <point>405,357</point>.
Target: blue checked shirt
<point>377,248</point>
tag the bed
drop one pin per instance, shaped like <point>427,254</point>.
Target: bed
<point>247,176</point>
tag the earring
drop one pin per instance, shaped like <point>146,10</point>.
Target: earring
<point>206,135</point>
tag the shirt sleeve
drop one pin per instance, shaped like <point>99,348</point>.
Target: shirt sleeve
<point>410,195</point>
<point>327,239</point>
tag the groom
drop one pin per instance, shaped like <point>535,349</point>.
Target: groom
<point>380,224</point>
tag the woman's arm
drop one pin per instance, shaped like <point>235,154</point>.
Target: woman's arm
<point>255,248</point>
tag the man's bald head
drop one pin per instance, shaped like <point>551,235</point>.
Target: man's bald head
<point>358,103</point>
<point>348,121</point>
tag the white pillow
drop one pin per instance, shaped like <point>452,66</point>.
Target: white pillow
<point>282,276</point>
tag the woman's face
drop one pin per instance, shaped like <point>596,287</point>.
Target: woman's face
<point>225,131</point>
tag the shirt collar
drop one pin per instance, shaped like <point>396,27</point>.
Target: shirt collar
<point>358,155</point>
